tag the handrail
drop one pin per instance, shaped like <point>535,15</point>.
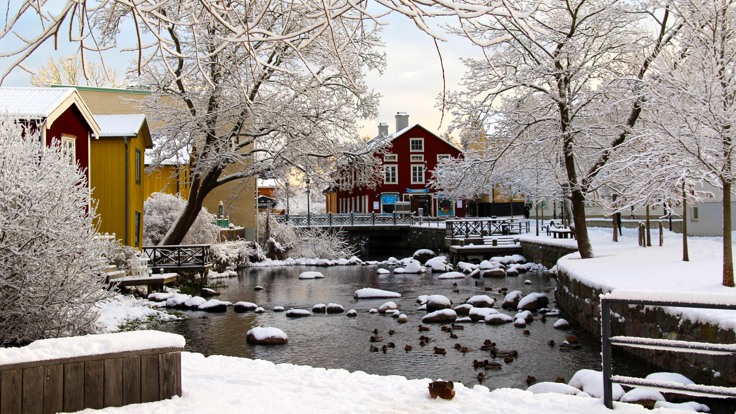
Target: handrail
<point>479,227</point>
<point>664,345</point>
<point>178,256</point>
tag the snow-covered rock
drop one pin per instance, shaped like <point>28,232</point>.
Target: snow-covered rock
<point>352,313</point>
<point>422,299</point>
<point>387,307</point>
<point>334,308</point>
<point>591,382</point>
<point>241,307</point>
<point>422,255</point>
<point>383,271</point>
<point>207,292</point>
<point>319,308</point>
<point>278,308</point>
<point>463,309</point>
<point>685,406</point>
<point>466,267</point>
<point>214,305</point>
<point>266,336</point>
<point>452,275</point>
<point>437,302</point>
<point>177,300</point>
<point>520,323</point>
<point>481,301</point>
<point>533,301</point>
<point>511,300</point>
<point>479,314</point>
<point>488,265</point>
<point>670,376</point>
<point>402,318</point>
<point>259,309</point>
<point>438,264</point>
<point>311,275</point>
<point>498,272</point>
<point>525,315</point>
<point>498,318</point>
<point>440,316</point>
<point>297,313</point>
<point>642,394</point>
<point>193,302</point>
<point>412,266</point>
<point>160,296</point>
<point>371,293</point>
<point>553,387</point>
<point>561,324</point>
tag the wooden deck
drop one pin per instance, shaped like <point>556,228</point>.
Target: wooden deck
<point>484,248</point>
<point>152,282</point>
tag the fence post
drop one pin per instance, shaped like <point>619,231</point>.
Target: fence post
<point>661,235</point>
<point>373,218</point>
<point>394,214</point>
<point>352,219</point>
<point>329,219</point>
<point>606,353</point>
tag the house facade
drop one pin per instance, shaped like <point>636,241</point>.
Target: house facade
<point>58,114</point>
<point>118,159</point>
<point>407,168</point>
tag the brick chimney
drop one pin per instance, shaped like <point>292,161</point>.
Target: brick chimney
<point>402,121</point>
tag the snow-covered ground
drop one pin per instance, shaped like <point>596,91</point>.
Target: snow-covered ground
<point>219,384</point>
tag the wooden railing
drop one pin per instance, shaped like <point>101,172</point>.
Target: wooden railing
<point>95,380</point>
<point>178,257</point>
<point>480,227</point>
<point>658,344</point>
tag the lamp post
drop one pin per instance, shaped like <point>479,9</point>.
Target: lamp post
<point>309,221</point>
<point>287,200</point>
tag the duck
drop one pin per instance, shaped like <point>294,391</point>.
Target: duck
<point>425,338</point>
<point>497,353</point>
<point>384,349</point>
<point>572,339</point>
<point>444,328</point>
<point>551,342</point>
<point>508,359</point>
<point>422,343</point>
<point>454,285</point>
<point>440,351</point>
<point>465,350</point>
<point>391,332</point>
<point>376,338</point>
<point>423,328</point>
<point>391,345</point>
<point>477,283</point>
<point>458,346</point>
<point>530,379</point>
<point>373,348</point>
<point>375,331</point>
<point>408,348</point>
<point>452,335</point>
<point>455,290</point>
<point>560,380</point>
<point>487,345</point>
<point>526,332</point>
<point>481,376</point>
<point>479,364</point>
<point>457,327</point>
<point>492,365</point>
<point>489,289</point>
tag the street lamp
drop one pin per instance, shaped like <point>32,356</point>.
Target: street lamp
<point>309,222</point>
<point>287,199</point>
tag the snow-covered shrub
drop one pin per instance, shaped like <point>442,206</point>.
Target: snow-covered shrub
<point>325,243</point>
<point>122,256</point>
<point>161,211</point>
<point>235,255</point>
<point>283,233</point>
<point>50,257</point>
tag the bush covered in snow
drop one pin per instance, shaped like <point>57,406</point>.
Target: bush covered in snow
<point>161,211</point>
<point>283,240</point>
<point>235,255</point>
<point>49,250</point>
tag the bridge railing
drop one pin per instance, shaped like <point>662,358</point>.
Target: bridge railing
<point>660,345</point>
<point>195,256</point>
<point>479,227</point>
<point>347,219</point>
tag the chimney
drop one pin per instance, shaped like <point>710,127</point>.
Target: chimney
<point>402,121</point>
<point>382,129</point>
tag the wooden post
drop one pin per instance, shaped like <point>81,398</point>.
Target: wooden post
<point>661,235</point>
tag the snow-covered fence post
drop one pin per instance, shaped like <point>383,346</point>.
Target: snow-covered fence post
<point>642,234</point>
<point>661,235</point>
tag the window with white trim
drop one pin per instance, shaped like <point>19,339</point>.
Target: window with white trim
<point>416,158</point>
<point>390,175</point>
<point>69,148</point>
<point>416,144</point>
<point>417,174</point>
<point>441,157</point>
<point>694,213</point>
<point>390,158</point>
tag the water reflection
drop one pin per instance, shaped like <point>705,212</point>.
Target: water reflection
<point>336,341</point>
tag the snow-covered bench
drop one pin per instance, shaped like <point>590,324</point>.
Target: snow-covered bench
<point>93,371</point>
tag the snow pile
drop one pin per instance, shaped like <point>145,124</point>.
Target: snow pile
<point>452,275</point>
<point>371,293</point>
<point>412,266</point>
<point>266,336</point>
<point>311,275</point>
<point>438,264</point>
<point>440,316</point>
<point>121,309</point>
<point>481,301</point>
<point>591,382</point>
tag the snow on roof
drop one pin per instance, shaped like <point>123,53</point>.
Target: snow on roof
<point>128,125</point>
<point>43,103</point>
<point>268,183</point>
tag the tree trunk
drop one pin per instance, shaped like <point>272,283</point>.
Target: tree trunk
<point>615,227</point>
<point>199,189</point>
<point>581,229</point>
<point>727,248</point>
<point>685,253</point>
<point>649,228</point>
<point>536,217</point>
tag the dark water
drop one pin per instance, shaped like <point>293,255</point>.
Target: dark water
<point>337,341</point>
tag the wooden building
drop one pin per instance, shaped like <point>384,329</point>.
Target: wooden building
<point>407,167</point>
<point>118,159</point>
<point>59,114</point>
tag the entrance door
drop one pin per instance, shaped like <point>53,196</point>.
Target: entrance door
<point>420,201</point>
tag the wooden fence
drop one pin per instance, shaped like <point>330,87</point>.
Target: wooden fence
<point>96,381</point>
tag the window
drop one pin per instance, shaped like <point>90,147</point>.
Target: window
<point>417,174</point>
<point>389,176</point>
<point>416,144</point>
<point>69,148</point>
<point>441,157</point>
<point>390,158</point>
<point>137,229</point>
<point>694,215</point>
<point>138,164</point>
<point>416,158</point>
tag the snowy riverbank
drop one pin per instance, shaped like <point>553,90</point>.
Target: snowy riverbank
<point>226,384</point>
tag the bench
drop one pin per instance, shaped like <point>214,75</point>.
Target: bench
<point>152,282</point>
<point>561,233</point>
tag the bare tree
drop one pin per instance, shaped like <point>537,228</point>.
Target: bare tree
<point>68,71</point>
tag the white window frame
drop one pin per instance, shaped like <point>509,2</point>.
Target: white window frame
<point>69,148</point>
<point>413,166</point>
<point>441,157</point>
<point>390,158</point>
<point>411,144</point>
<point>416,158</point>
<point>694,213</point>
<point>395,169</point>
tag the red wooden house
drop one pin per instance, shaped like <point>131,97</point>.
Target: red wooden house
<point>58,113</point>
<point>407,167</point>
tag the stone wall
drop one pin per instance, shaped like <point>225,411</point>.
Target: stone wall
<point>544,254</point>
<point>427,238</point>
<point>581,305</point>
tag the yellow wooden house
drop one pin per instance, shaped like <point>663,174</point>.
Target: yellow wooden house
<point>170,176</point>
<point>118,160</point>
